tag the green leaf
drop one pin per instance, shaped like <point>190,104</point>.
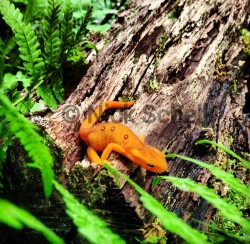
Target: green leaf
<point>10,81</point>
<point>99,28</point>
<point>227,178</point>
<point>169,220</point>
<point>25,39</point>
<point>227,150</point>
<point>67,36</point>
<point>17,218</point>
<point>38,106</point>
<point>230,211</point>
<point>44,91</point>
<point>35,9</point>
<point>33,143</point>
<point>52,42</point>
<point>90,226</point>
<point>91,45</point>
<point>52,46</point>
<point>82,31</point>
<point>25,105</point>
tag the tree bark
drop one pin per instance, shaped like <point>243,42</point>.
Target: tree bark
<point>190,80</point>
<point>195,61</point>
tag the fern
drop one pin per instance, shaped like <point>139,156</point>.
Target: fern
<point>227,178</point>
<point>10,86</point>
<point>5,49</point>
<point>51,36</point>
<point>59,40</point>
<point>33,143</point>
<point>82,31</point>
<point>89,225</point>
<point>31,54</point>
<point>169,220</point>
<point>35,9</point>
<point>228,210</point>
<point>26,40</point>
<point>44,91</point>
<point>52,47</point>
<point>18,218</point>
<point>67,36</point>
<point>227,150</point>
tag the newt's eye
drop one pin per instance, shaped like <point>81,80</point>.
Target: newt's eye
<point>150,165</point>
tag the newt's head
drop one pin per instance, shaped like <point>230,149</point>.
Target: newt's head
<point>149,158</point>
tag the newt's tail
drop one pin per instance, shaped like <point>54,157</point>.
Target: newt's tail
<point>91,120</point>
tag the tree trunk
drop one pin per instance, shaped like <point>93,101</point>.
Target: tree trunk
<point>183,61</point>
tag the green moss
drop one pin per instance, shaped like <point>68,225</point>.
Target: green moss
<point>153,85</point>
<point>135,59</point>
<point>76,56</point>
<point>173,15</point>
<point>242,203</point>
<point>160,48</point>
<point>128,97</point>
<point>88,188</point>
<point>222,72</point>
<point>245,36</point>
<point>155,233</point>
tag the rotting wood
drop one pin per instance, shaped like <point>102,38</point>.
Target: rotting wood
<point>197,68</point>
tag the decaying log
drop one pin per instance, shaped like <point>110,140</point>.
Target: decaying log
<point>189,77</point>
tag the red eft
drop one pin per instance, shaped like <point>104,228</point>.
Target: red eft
<point>109,136</point>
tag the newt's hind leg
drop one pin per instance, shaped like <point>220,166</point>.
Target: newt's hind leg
<point>94,157</point>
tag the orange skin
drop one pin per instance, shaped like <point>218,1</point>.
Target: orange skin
<point>108,137</point>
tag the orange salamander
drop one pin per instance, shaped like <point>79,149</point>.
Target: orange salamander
<point>109,136</point>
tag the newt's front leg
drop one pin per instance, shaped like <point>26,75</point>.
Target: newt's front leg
<point>94,157</point>
<point>112,147</point>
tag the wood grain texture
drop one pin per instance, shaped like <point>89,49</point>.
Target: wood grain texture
<point>204,93</point>
<point>197,68</point>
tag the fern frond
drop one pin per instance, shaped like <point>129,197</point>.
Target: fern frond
<point>58,90</point>
<point>10,44</point>
<point>230,211</point>
<point>51,36</point>
<point>67,36</point>
<point>82,31</point>
<point>18,218</point>
<point>10,86</point>
<point>25,105</point>
<point>44,91</point>
<point>35,9</point>
<point>26,39</point>
<point>226,177</point>
<point>5,48</point>
<point>227,150</point>
<point>89,225</point>
<point>52,46</point>
<point>168,219</point>
<point>33,143</point>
